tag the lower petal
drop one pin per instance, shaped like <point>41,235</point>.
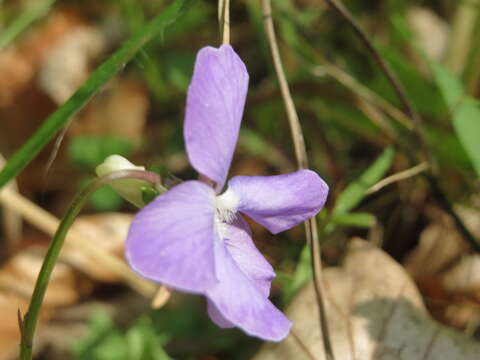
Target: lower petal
<point>217,317</point>
<point>171,240</point>
<point>237,238</point>
<point>239,302</point>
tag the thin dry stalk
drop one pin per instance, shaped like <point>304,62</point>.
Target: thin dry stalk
<point>12,223</point>
<point>302,160</point>
<point>402,175</point>
<point>462,35</point>
<point>224,20</point>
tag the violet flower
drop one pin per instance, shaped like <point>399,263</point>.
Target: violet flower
<point>194,238</point>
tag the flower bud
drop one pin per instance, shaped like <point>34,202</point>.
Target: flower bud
<point>130,189</point>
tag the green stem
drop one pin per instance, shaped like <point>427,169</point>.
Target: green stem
<point>23,21</point>
<point>94,84</point>
<point>29,322</point>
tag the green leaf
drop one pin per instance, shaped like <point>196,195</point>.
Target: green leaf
<point>89,151</point>
<point>93,85</point>
<point>105,342</point>
<point>106,199</point>
<point>466,121</point>
<point>355,192</point>
<point>361,220</point>
<point>449,84</point>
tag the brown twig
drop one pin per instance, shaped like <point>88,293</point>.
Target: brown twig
<point>302,159</point>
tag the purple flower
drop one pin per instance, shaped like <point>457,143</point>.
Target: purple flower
<point>193,238</point>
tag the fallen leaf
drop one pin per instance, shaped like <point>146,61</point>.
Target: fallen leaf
<point>19,274</point>
<point>109,231</point>
<point>374,311</point>
<point>120,110</point>
<point>9,330</point>
<point>67,64</point>
<point>439,246</point>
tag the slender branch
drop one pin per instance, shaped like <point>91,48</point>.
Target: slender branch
<point>29,322</point>
<point>402,175</point>
<point>387,70</point>
<point>302,160</point>
<point>417,121</point>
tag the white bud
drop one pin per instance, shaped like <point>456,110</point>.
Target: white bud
<point>129,189</point>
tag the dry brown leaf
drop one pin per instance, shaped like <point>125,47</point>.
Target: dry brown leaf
<point>9,330</point>
<point>109,230</point>
<point>19,274</point>
<point>374,311</point>
<point>439,246</point>
<point>19,64</point>
<point>67,64</point>
<point>121,109</point>
<point>464,276</point>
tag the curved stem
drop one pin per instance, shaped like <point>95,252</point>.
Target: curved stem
<point>29,322</point>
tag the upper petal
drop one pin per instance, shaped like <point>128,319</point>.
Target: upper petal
<point>215,102</point>
<point>171,239</point>
<point>236,301</point>
<point>282,201</point>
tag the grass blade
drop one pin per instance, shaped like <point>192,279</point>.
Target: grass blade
<point>356,191</point>
<point>22,22</point>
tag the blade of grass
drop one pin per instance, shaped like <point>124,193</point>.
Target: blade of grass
<point>22,22</point>
<point>95,82</point>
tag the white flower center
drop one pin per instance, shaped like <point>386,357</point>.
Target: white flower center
<point>226,206</point>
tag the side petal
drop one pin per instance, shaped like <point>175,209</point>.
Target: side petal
<point>239,302</point>
<point>171,239</point>
<point>217,317</point>
<point>215,102</point>
<point>237,238</point>
<point>279,202</point>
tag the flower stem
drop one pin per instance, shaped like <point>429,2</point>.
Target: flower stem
<point>302,161</point>
<point>29,322</point>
